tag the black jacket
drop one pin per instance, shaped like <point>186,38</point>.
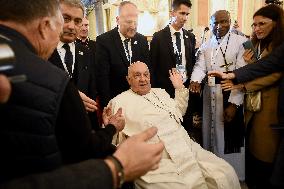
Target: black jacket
<point>83,75</point>
<point>112,64</point>
<point>28,141</point>
<point>163,59</point>
<point>48,116</point>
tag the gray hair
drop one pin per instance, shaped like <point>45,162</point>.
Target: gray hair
<point>74,3</point>
<point>25,11</point>
<point>123,3</point>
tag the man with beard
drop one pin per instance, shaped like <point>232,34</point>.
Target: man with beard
<point>222,124</point>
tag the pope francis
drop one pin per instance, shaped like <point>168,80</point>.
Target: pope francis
<point>185,164</point>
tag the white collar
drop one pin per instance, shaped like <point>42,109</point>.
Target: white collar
<point>60,45</point>
<point>173,31</point>
<point>121,36</point>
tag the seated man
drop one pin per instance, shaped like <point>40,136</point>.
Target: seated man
<point>184,165</point>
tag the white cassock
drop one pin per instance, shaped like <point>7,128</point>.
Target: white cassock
<point>209,58</point>
<point>184,165</point>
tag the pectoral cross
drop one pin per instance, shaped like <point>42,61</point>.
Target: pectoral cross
<point>226,65</point>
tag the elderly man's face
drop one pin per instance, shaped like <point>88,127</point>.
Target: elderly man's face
<point>139,78</point>
<point>220,24</point>
<point>127,20</point>
<point>72,22</point>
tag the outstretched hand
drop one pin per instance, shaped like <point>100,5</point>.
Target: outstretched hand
<point>116,120</point>
<point>220,74</point>
<point>228,85</point>
<point>137,156</point>
<point>176,78</point>
<point>195,87</point>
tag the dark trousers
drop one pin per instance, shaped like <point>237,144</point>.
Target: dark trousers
<point>277,178</point>
<point>258,173</point>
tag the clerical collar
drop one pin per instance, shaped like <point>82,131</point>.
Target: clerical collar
<point>139,94</point>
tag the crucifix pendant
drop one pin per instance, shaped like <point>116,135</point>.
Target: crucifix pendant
<point>226,66</point>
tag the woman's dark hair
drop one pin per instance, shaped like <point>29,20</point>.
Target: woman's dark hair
<point>276,36</point>
<point>276,2</point>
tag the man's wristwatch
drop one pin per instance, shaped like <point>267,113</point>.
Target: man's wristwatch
<point>119,170</point>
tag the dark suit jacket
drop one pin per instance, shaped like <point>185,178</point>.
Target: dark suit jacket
<point>163,58</point>
<point>112,64</point>
<point>83,76</point>
<point>84,72</point>
<point>89,174</point>
<point>265,66</point>
<point>89,44</point>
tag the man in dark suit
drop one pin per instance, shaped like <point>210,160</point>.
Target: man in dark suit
<point>76,59</point>
<point>83,36</point>
<point>174,47</point>
<point>116,49</point>
<point>263,67</point>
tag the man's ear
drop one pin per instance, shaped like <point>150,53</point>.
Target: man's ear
<point>128,80</point>
<point>171,13</point>
<point>44,27</point>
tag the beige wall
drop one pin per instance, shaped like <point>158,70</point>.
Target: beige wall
<point>155,14</point>
<point>92,23</point>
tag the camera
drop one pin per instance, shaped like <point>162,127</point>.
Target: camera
<point>7,62</point>
<point>7,58</point>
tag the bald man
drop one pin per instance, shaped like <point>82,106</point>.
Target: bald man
<point>116,49</point>
<point>184,163</point>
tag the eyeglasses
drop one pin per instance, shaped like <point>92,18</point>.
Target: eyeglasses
<point>261,24</point>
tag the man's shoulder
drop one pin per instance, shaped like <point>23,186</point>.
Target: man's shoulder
<point>139,36</point>
<point>159,91</point>
<point>160,32</point>
<point>122,97</point>
<point>107,35</point>
<point>239,38</point>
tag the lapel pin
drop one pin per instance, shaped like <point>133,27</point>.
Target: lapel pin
<point>81,53</point>
<point>186,36</point>
<point>135,43</point>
